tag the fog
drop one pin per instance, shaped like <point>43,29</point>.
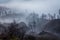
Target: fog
<point>32,6</point>
<point>32,15</point>
<point>38,6</point>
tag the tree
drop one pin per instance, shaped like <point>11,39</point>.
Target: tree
<point>58,16</point>
<point>54,16</point>
<point>13,30</point>
<point>33,21</point>
<point>43,16</point>
<point>51,17</point>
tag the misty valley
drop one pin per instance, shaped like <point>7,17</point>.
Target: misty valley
<point>16,25</point>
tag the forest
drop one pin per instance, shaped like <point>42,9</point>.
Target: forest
<point>44,27</point>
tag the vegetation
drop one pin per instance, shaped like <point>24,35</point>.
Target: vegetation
<point>21,31</point>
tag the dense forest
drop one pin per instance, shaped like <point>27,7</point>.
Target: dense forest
<point>34,27</point>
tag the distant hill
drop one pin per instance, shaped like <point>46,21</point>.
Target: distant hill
<point>48,36</point>
<point>22,26</point>
<point>53,26</point>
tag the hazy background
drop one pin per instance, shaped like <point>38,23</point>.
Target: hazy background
<point>30,6</point>
<point>38,6</point>
<point>26,11</point>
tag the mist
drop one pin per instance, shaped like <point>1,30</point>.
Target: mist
<point>25,18</point>
<point>38,6</point>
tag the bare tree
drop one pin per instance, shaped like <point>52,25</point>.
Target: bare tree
<point>43,16</point>
<point>33,20</point>
<point>51,17</point>
<point>58,16</point>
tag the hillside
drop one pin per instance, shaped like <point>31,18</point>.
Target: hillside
<point>53,26</point>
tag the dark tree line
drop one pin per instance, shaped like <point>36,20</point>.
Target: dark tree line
<point>14,31</point>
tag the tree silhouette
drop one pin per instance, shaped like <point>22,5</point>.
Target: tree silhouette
<point>33,20</point>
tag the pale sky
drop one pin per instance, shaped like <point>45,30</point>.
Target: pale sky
<point>38,6</point>
<point>29,6</point>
